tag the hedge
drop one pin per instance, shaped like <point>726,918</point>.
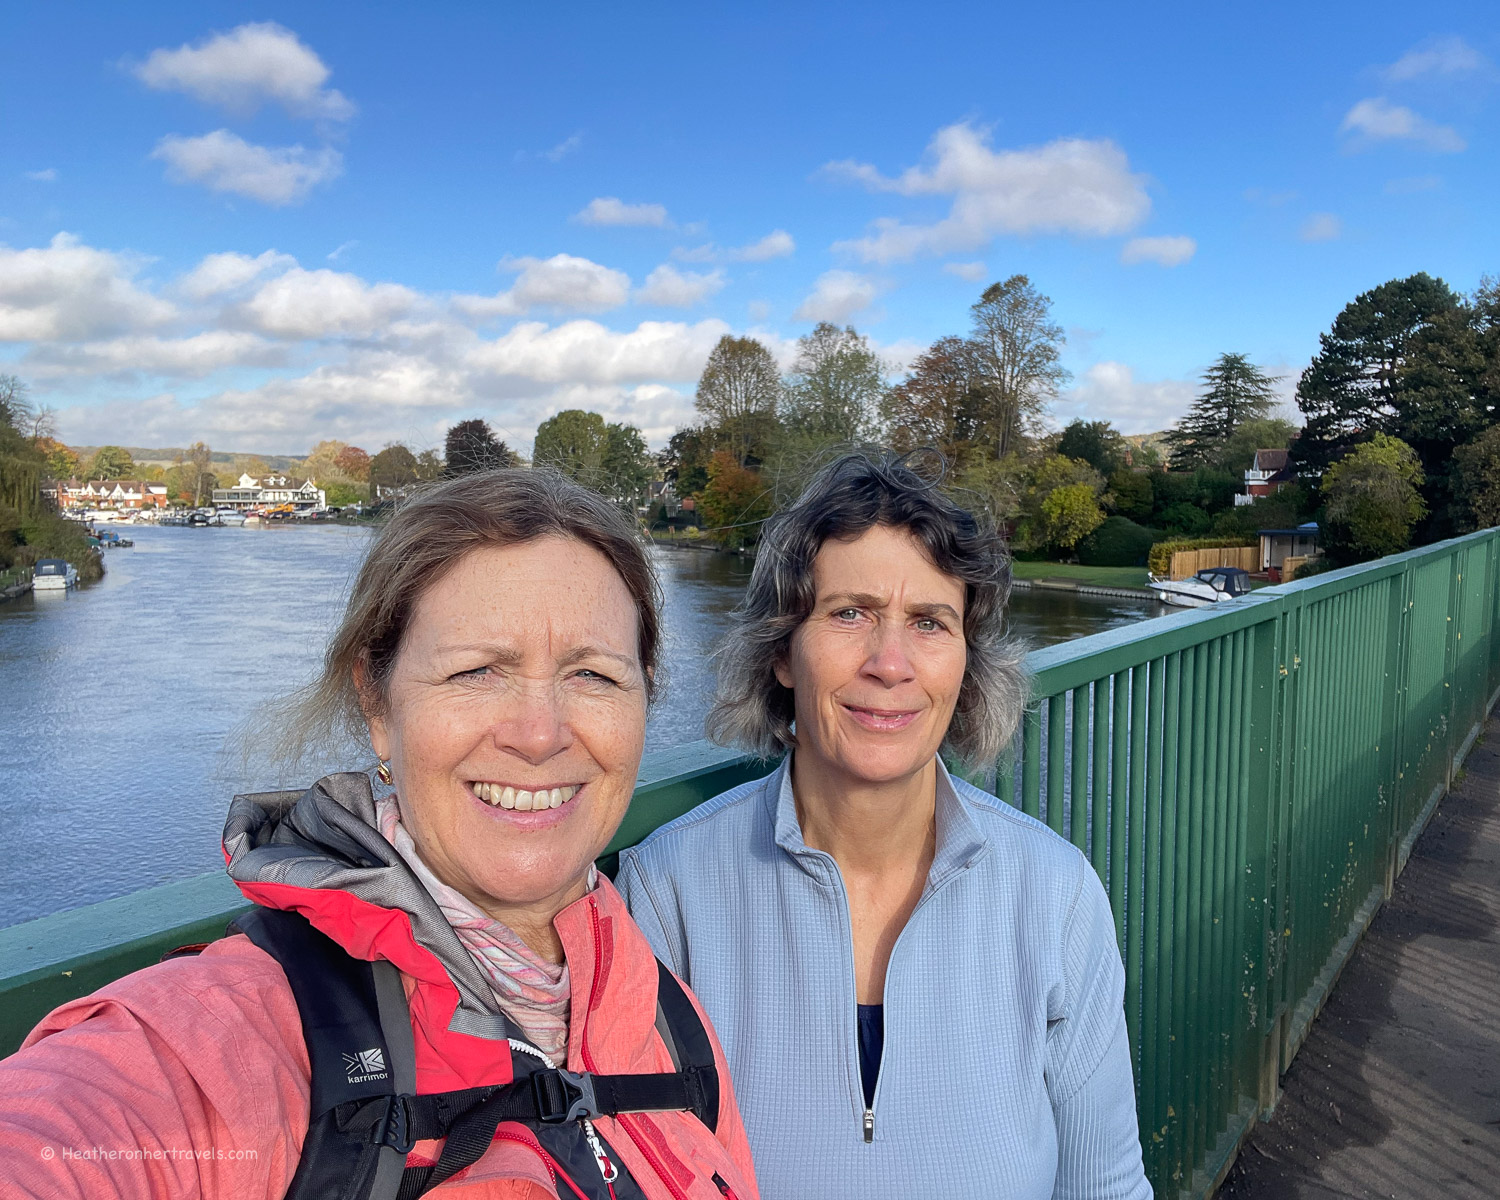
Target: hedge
<point>1119,542</point>
<point>1159,561</point>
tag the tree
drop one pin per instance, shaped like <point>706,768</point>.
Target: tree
<point>62,461</point>
<point>573,442</point>
<point>110,462</point>
<point>1042,525</point>
<point>1097,443</point>
<point>15,404</point>
<point>684,462</point>
<point>1356,385</point>
<point>1371,500</point>
<point>472,446</point>
<point>1234,391</point>
<point>198,477</point>
<point>1018,347</point>
<point>1069,514</point>
<point>734,503</point>
<point>738,393</point>
<point>1134,494</point>
<point>834,390</point>
<point>1237,453</point>
<point>1475,481</point>
<point>392,469</point>
<point>353,463</point>
<point>939,403</point>
<point>430,465</point>
<point>627,465</point>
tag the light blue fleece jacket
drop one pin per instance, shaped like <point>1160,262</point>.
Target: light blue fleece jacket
<point>1006,1070</point>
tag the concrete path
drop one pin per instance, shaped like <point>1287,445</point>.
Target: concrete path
<point>1396,1092</point>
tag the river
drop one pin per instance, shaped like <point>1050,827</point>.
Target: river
<point>117,702</point>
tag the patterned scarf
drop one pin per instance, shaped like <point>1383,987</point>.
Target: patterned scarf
<point>531,991</point>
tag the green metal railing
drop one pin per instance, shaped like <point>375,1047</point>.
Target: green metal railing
<point>1247,780</point>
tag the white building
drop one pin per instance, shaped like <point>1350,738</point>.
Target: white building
<point>273,489</point>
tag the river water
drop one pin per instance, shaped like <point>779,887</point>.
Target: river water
<point>117,702</point>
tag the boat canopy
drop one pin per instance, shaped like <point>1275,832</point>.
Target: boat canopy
<point>51,566</point>
<point>1233,580</point>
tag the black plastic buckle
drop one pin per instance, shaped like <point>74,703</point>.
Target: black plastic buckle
<point>394,1129</point>
<point>563,1096</point>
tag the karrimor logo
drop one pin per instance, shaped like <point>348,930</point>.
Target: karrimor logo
<point>365,1065</point>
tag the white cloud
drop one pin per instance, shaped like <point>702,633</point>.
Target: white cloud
<point>1166,251</point>
<point>759,310</point>
<point>563,148</point>
<point>1067,186</point>
<point>1109,391</point>
<point>609,210</point>
<point>46,175</point>
<point>671,288</point>
<point>972,271</point>
<point>1378,120</point>
<point>219,274</point>
<point>1441,57</point>
<point>776,244</point>
<point>188,357</point>
<point>1413,183</point>
<point>67,291</point>
<point>323,303</point>
<point>564,282</point>
<point>836,296</point>
<point>587,352</point>
<point>225,162</point>
<point>246,67</point>
<point>1321,227</point>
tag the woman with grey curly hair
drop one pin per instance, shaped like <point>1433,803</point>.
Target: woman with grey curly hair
<point>917,986</point>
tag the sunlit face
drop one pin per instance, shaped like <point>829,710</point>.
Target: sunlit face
<point>877,666</point>
<point>515,721</point>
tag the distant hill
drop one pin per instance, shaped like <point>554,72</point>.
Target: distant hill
<point>165,456</point>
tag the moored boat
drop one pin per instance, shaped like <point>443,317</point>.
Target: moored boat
<point>1212,585</point>
<point>53,575</point>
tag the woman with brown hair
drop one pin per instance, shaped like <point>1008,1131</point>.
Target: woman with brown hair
<point>436,989</point>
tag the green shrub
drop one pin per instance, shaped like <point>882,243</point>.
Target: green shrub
<point>1119,542</point>
<point>1159,561</point>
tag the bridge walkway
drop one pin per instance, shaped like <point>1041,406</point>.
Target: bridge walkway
<point>1396,1092</point>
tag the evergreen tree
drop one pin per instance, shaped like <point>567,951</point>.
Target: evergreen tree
<point>472,446</point>
<point>1234,391</point>
<point>1097,443</point>
<point>1362,380</point>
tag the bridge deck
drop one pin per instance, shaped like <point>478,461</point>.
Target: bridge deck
<point>1396,1092</point>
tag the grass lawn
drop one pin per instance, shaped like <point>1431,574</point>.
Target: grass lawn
<point>1132,577</point>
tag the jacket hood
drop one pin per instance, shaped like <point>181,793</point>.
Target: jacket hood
<point>319,852</point>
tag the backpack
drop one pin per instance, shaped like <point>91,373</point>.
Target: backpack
<point>365,1116</point>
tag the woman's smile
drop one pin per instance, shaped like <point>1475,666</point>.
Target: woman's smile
<point>881,720</point>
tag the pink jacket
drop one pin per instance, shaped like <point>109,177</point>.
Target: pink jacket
<point>191,1078</point>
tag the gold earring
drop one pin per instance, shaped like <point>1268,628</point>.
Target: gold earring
<point>383,773</point>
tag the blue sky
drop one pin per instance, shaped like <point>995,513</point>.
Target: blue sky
<point>264,226</point>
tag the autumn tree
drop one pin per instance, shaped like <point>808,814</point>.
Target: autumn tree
<point>62,461</point>
<point>1234,391</point>
<point>833,393</point>
<point>1371,500</point>
<point>939,403</point>
<point>1059,503</point>
<point>738,393</point>
<point>353,463</point>
<point>472,446</point>
<point>1018,347</point>
<point>734,502</point>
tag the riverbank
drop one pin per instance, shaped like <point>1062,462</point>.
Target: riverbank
<point>1128,583</point>
<point>14,584</point>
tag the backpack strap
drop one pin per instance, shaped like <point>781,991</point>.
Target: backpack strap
<point>364,1115</point>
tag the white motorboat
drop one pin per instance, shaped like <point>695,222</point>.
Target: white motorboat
<point>53,575</point>
<point>230,516</point>
<point>1212,585</point>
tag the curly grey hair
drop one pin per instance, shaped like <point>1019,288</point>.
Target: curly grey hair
<point>848,496</point>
